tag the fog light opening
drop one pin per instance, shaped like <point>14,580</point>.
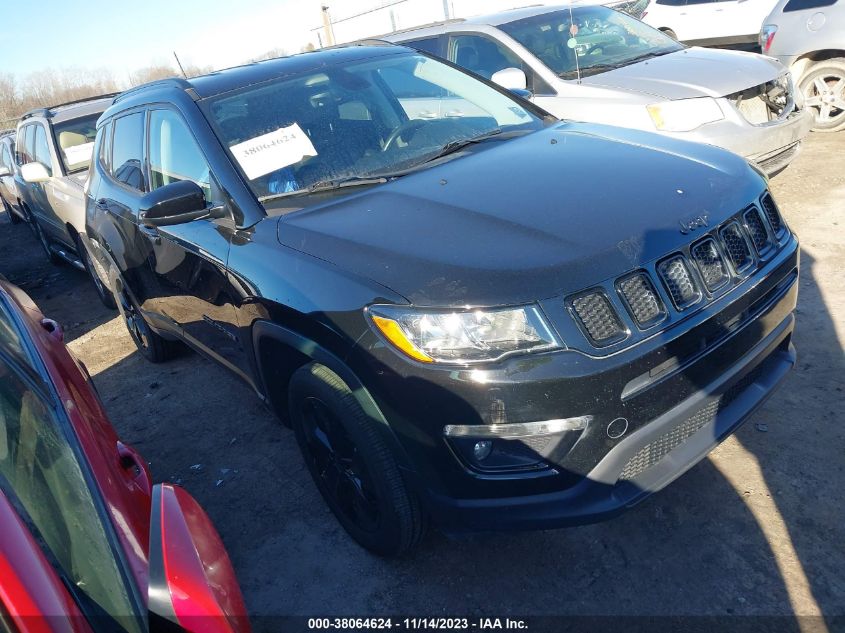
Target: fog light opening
<point>482,450</point>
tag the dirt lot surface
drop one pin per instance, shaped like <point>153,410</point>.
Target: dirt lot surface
<point>757,528</point>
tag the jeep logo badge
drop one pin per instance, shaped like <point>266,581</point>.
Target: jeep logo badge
<point>691,224</point>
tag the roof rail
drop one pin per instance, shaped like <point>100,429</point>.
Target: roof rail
<point>44,112</point>
<point>84,100</point>
<point>48,112</point>
<point>7,132</point>
<point>177,82</point>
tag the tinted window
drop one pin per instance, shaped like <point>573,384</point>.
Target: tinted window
<point>127,151</point>
<point>76,141</point>
<point>9,337</point>
<point>42,149</point>
<point>40,469</point>
<point>672,3</point>
<point>175,155</point>
<point>798,5</point>
<point>482,55</point>
<point>426,45</point>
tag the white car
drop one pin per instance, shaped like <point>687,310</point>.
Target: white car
<point>587,62</point>
<point>709,22</point>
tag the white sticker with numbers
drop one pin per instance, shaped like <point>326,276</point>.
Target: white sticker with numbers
<point>267,153</point>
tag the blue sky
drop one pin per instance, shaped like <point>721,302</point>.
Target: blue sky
<point>124,36</point>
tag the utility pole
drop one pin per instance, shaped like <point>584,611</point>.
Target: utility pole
<point>327,25</point>
<point>446,15</point>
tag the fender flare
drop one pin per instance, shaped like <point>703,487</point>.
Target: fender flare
<point>311,351</point>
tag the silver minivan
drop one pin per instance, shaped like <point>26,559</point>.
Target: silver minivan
<point>590,63</point>
<point>808,37</point>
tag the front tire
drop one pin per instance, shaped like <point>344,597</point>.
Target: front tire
<point>823,87</point>
<point>106,296</point>
<point>152,346</point>
<point>352,465</point>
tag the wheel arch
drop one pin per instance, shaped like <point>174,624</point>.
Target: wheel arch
<point>799,66</point>
<point>280,351</point>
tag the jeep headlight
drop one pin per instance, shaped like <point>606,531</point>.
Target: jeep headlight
<point>436,336</point>
<point>684,115</point>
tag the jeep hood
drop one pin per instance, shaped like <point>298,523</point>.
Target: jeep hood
<point>692,72</point>
<point>515,221</point>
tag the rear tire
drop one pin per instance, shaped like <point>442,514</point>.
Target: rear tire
<point>152,346</point>
<point>823,87</point>
<point>103,292</point>
<point>352,464</point>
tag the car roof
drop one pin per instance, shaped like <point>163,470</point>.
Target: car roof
<point>72,109</point>
<point>499,17</point>
<point>229,79</point>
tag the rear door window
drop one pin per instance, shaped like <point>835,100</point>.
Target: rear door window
<point>127,163</point>
<point>800,5</point>
<point>5,158</point>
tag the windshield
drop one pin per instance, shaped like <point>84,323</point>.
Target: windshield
<point>363,119</point>
<point>588,40</point>
<point>76,141</point>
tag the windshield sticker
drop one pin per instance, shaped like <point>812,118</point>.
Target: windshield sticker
<point>269,152</point>
<point>79,153</point>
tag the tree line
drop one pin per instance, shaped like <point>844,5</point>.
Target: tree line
<point>51,87</point>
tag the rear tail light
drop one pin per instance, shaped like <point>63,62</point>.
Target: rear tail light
<point>767,36</point>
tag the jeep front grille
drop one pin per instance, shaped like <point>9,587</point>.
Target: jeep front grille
<point>598,318</point>
<point>757,230</point>
<point>679,282</point>
<point>773,215</point>
<point>713,270</point>
<point>693,276</point>
<point>641,299</point>
<point>736,247</point>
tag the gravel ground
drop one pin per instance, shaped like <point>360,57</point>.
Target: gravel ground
<point>757,528</point>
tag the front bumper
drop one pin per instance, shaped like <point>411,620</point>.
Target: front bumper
<point>722,406</point>
<point>771,145</point>
<point>730,357</point>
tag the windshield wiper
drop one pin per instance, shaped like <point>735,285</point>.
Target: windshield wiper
<point>586,71</point>
<point>330,185</point>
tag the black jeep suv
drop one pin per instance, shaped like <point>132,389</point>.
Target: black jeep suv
<point>468,311</point>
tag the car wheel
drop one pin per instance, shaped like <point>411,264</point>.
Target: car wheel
<point>13,217</point>
<point>352,464</point>
<point>823,87</point>
<point>45,243</point>
<point>154,347</point>
<point>105,294</point>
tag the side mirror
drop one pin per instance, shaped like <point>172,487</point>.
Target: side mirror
<point>191,581</point>
<point>34,173</point>
<point>4,171</point>
<point>510,78</point>
<point>179,202</point>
